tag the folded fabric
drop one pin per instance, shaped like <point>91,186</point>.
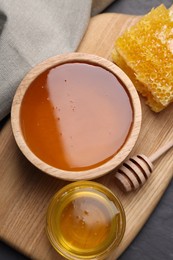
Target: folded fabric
<point>31,31</point>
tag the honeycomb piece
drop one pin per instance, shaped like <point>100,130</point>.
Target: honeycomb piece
<point>155,106</point>
<point>145,53</point>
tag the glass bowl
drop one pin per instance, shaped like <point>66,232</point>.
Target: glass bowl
<point>85,220</point>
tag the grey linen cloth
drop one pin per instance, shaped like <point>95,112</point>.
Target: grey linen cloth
<point>34,30</point>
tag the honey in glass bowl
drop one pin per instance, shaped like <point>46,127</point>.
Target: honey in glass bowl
<point>85,220</point>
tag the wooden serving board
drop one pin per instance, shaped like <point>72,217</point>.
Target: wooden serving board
<point>25,191</point>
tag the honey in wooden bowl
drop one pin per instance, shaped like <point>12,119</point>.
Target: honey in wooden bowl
<point>76,114</point>
<point>85,220</point>
<point>71,119</point>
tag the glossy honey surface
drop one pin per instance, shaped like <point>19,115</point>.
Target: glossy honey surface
<point>76,116</point>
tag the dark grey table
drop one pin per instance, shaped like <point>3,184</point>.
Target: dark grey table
<point>155,240</point>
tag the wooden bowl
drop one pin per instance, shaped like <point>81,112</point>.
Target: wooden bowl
<point>73,174</point>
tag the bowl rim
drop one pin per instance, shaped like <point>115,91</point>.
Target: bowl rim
<point>78,186</point>
<point>118,158</point>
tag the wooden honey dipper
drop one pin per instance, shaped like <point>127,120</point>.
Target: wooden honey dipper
<point>135,172</point>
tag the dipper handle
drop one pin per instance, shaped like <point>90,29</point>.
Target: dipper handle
<point>161,151</point>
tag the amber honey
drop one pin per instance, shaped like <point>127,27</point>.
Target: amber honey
<point>85,220</point>
<point>76,116</point>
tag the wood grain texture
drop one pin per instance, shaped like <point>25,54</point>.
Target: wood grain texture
<point>25,191</point>
<point>97,171</point>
